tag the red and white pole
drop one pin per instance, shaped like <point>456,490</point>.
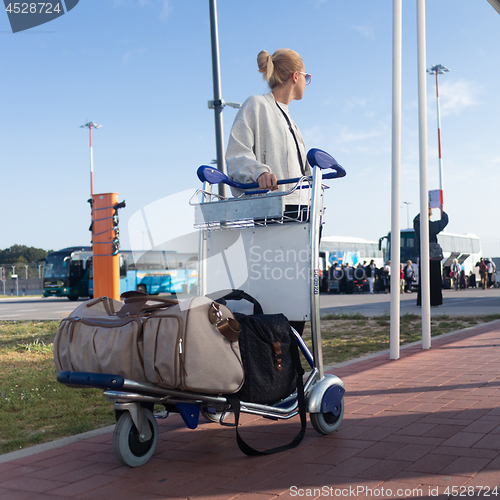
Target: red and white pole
<point>90,126</point>
<point>91,165</point>
<point>439,138</point>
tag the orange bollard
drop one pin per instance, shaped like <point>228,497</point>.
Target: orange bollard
<point>106,267</point>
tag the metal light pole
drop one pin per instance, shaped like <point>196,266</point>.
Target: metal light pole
<point>407,214</point>
<point>424,193</point>
<point>90,126</point>
<point>438,69</point>
<point>217,102</point>
<point>396,178</point>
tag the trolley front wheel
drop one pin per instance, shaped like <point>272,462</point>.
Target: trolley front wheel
<point>209,416</point>
<point>326,423</point>
<point>129,450</point>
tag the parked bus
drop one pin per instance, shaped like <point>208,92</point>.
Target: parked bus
<point>66,273</point>
<point>157,272</point>
<point>466,248</point>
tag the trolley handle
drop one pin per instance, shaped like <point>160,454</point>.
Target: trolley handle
<point>316,158</point>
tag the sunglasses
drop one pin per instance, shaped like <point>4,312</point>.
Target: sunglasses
<point>307,76</point>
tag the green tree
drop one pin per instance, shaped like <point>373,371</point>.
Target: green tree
<point>19,254</point>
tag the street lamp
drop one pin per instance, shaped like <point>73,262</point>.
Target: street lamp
<point>90,126</point>
<point>407,213</point>
<point>438,69</point>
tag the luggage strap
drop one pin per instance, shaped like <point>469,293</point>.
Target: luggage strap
<point>135,303</point>
<point>235,403</point>
<point>223,295</point>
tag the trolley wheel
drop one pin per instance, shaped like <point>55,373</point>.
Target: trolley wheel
<point>126,445</point>
<point>142,288</point>
<point>326,423</point>
<point>211,417</point>
<point>72,297</point>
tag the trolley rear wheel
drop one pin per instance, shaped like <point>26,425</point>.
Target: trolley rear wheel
<point>129,450</point>
<point>326,423</point>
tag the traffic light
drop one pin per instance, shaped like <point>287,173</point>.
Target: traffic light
<point>115,244</point>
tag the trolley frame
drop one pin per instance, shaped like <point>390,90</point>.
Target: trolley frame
<point>136,433</point>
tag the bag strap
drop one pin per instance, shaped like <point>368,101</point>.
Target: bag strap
<point>135,303</point>
<point>301,162</point>
<point>107,303</point>
<point>235,403</point>
<point>223,295</point>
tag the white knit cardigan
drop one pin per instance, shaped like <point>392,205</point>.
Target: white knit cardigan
<point>258,143</point>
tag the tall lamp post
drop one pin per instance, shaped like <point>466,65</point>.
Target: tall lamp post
<point>90,126</point>
<point>438,69</point>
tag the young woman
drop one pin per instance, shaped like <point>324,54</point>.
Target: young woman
<point>265,144</point>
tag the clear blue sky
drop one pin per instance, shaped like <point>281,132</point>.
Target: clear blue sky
<point>142,69</point>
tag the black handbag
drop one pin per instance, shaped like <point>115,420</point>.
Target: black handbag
<point>435,251</point>
<point>271,364</point>
<point>265,346</point>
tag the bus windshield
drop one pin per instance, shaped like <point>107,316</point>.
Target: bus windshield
<point>56,266</point>
<point>408,249</point>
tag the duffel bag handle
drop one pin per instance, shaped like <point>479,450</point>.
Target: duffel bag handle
<point>223,295</point>
<point>136,303</point>
<point>228,327</point>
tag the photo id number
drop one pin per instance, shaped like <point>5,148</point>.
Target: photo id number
<point>33,8</point>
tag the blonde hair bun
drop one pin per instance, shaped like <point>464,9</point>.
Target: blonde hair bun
<point>265,63</point>
<point>277,68</point>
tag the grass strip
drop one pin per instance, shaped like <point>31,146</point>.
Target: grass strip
<point>349,336</point>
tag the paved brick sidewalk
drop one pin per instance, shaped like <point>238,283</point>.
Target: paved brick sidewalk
<point>425,425</point>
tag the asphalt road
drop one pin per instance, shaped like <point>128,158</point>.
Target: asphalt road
<point>469,302</point>
<point>37,308</point>
<point>455,303</point>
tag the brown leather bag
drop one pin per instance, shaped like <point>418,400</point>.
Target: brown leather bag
<point>189,345</point>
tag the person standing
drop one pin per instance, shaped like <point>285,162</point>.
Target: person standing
<point>436,280</point>
<point>409,274</point>
<point>491,271</point>
<point>371,271</point>
<point>455,273</point>
<point>483,272</point>
<point>386,277</point>
<point>265,144</point>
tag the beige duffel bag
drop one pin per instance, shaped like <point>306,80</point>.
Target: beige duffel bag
<point>190,345</point>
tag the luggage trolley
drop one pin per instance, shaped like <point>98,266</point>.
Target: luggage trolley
<point>257,228</point>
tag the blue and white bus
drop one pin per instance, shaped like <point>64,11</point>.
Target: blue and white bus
<point>157,271</point>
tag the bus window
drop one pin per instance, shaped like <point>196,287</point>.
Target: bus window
<point>123,266</point>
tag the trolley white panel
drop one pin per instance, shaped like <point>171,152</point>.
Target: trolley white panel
<point>270,263</point>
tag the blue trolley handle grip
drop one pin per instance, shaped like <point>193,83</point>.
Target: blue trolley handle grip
<point>316,157</point>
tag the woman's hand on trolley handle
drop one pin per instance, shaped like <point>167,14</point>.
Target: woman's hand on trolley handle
<point>268,181</point>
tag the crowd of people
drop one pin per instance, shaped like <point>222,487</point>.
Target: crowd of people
<point>487,272</point>
<point>364,277</point>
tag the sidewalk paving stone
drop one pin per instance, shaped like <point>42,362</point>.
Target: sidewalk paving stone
<point>420,425</point>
